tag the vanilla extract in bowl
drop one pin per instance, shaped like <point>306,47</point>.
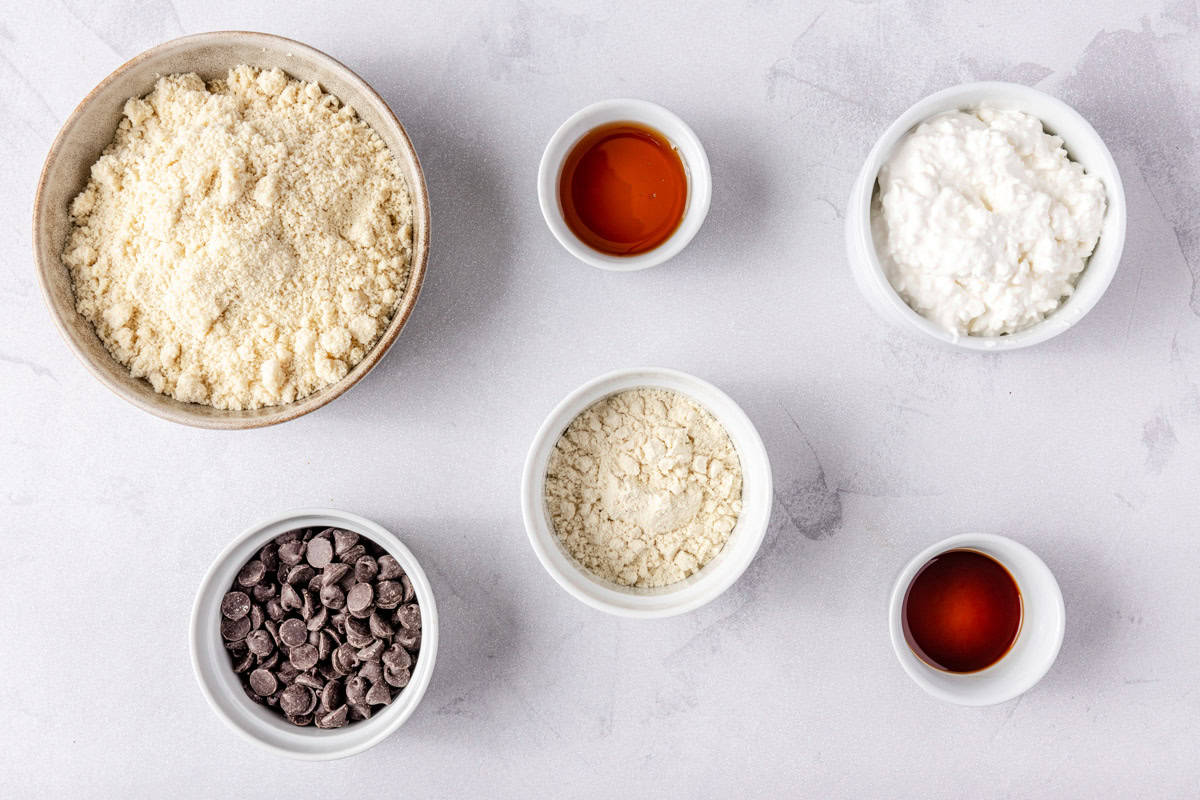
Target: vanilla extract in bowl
<point>962,612</point>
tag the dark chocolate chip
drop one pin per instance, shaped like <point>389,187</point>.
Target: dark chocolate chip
<point>371,671</point>
<point>389,594</point>
<point>252,573</point>
<point>365,569</point>
<point>275,609</point>
<point>334,719</point>
<point>358,632</point>
<point>343,541</point>
<point>333,695</point>
<point>263,592</point>
<point>379,695</point>
<point>408,638</point>
<point>245,664</point>
<point>269,556</point>
<point>289,598</point>
<point>397,677</point>
<point>235,629</point>
<point>358,600</point>
<point>311,681</point>
<point>318,620</point>
<point>334,573</point>
<point>356,690</point>
<point>303,657</point>
<point>320,553</point>
<point>354,553</point>
<point>379,626</point>
<point>300,575</point>
<point>293,632</point>
<point>389,568</point>
<point>333,597</point>
<point>235,605</point>
<point>291,552</point>
<point>409,616</point>
<point>409,593</point>
<point>261,644</point>
<point>263,682</point>
<point>397,657</point>
<point>256,618</point>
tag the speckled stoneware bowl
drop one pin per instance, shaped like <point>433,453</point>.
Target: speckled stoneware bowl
<point>91,127</point>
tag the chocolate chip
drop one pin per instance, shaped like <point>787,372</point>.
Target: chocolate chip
<point>397,657</point>
<point>389,569</point>
<point>334,719</point>
<point>365,569</point>
<point>244,664</point>
<point>263,592</point>
<point>320,553</point>
<point>379,695</point>
<point>334,573</point>
<point>300,575</point>
<point>344,658</point>
<point>269,556</point>
<point>380,628</point>
<point>358,632</point>
<point>319,619</point>
<point>389,594</point>
<point>300,720</point>
<point>358,599</point>
<point>275,609</point>
<point>332,597</point>
<point>261,644</point>
<point>397,677</point>
<point>354,553</point>
<point>291,552</point>
<point>251,574</point>
<point>303,657</point>
<point>235,605</point>
<point>371,651</point>
<point>325,646</point>
<point>263,682</point>
<point>295,699</point>
<point>343,541</point>
<point>256,617</point>
<point>409,616</point>
<point>356,690</point>
<point>408,638</point>
<point>288,536</point>
<point>270,661</point>
<point>235,629</point>
<point>289,598</point>
<point>409,593</point>
<point>359,712</point>
<point>292,632</point>
<point>311,681</point>
<point>314,584</point>
<point>371,671</point>
<point>333,695</point>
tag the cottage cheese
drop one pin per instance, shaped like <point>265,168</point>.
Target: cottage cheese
<point>982,221</point>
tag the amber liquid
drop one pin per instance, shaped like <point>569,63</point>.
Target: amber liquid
<point>962,611</point>
<point>623,189</point>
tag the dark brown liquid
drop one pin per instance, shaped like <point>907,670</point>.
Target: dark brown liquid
<point>962,611</point>
<point>623,189</point>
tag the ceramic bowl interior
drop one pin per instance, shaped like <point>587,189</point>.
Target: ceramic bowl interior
<point>677,132</point>
<point>91,127</point>
<point>263,726</point>
<point>1083,145</point>
<point>716,576</point>
<point>1043,623</point>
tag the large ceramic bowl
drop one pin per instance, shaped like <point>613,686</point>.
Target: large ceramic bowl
<point>91,127</point>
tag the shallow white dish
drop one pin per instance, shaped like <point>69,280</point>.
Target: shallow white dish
<point>1083,145</point>
<point>1043,623</point>
<point>716,576</point>
<point>261,725</point>
<point>687,144</point>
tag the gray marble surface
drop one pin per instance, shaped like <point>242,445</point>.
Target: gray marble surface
<point>1086,448</point>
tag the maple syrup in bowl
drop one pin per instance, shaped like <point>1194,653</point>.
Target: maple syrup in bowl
<point>624,185</point>
<point>976,619</point>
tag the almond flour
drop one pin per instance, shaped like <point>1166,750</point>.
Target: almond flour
<point>242,243</point>
<point>644,488</point>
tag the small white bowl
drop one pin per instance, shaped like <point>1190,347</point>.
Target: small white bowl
<point>686,143</point>
<point>716,576</point>
<point>1084,146</point>
<point>1043,622</point>
<point>261,725</point>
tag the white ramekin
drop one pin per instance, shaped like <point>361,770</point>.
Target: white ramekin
<point>686,143</point>
<point>1084,146</point>
<point>1043,622</point>
<point>261,725</point>
<point>716,576</point>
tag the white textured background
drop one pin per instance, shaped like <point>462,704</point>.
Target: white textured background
<point>1086,448</point>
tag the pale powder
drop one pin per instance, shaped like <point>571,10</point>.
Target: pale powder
<point>644,487</point>
<point>242,243</point>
